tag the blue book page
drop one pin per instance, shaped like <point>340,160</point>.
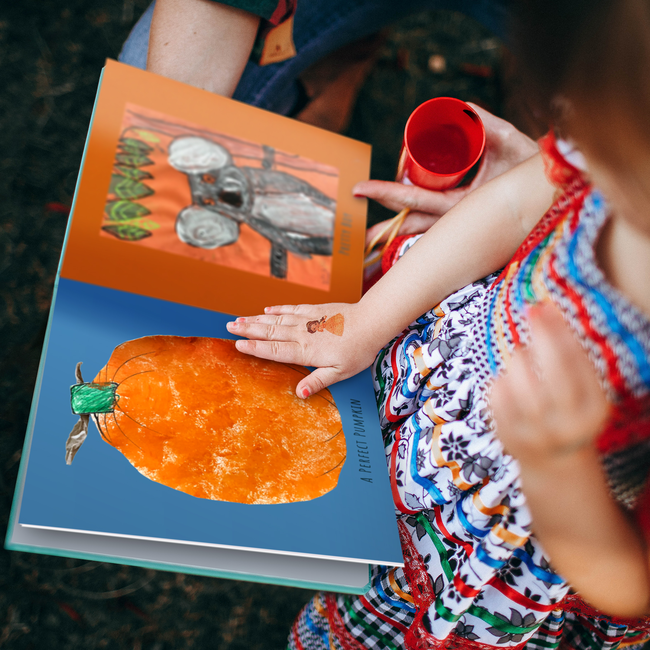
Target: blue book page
<point>101,492</point>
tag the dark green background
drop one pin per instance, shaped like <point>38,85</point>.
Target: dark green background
<point>51,54</point>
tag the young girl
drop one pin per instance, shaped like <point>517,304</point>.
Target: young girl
<point>523,503</point>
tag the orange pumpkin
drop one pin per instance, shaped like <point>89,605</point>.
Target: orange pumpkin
<point>198,416</point>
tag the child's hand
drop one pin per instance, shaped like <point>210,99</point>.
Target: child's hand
<point>505,147</point>
<point>549,403</point>
<point>329,337</point>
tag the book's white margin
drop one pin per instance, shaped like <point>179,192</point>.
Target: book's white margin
<point>189,543</point>
<point>355,586</point>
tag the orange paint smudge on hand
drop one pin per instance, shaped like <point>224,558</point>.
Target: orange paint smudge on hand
<point>334,325</point>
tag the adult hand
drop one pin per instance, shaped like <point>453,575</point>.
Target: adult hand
<point>505,147</point>
<point>331,337</point>
<point>549,404</point>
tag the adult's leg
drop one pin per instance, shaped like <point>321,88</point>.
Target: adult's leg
<point>324,26</point>
<point>320,27</point>
<point>135,48</point>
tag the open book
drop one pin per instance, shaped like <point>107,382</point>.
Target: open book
<point>151,440</point>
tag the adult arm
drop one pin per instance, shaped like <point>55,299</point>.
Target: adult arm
<point>476,237</point>
<point>505,148</point>
<point>202,43</point>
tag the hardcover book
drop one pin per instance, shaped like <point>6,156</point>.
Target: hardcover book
<point>152,441</point>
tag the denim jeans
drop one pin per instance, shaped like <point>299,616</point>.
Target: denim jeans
<point>320,27</point>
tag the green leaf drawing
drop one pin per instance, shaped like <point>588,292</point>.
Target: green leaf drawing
<point>131,145</point>
<point>147,224</point>
<point>125,188</point>
<point>147,135</point>
<point>133,172</point>
<point>124,210</point>
<point>132,160</point>
<point>131,151</point>
<point>127,232</point>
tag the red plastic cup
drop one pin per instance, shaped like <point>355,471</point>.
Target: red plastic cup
<point>443,139</point>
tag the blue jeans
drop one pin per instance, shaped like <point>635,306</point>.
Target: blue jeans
<point>320,27</point>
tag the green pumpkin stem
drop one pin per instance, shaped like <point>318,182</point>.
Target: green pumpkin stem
<point>86,400</point>
<point>93,397</point>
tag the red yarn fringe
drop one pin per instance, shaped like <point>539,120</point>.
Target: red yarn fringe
<point>337,625</point>
<point>418,638</point>
<point>573,603</point>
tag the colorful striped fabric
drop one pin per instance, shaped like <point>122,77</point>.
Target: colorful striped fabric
<point>475,576</point>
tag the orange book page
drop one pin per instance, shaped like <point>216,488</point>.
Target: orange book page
<point>191,197</point>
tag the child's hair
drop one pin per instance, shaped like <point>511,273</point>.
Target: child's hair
<point>586,66</point>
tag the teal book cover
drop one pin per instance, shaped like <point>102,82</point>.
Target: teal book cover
<point>152,440</point>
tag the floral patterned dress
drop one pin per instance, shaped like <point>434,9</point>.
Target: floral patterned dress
<point>475,576</point>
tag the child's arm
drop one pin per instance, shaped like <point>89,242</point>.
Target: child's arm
<point>548,409</point>
<point>475,238</point>
<point>202,43</point>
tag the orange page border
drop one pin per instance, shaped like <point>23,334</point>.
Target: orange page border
<point>97,260</point>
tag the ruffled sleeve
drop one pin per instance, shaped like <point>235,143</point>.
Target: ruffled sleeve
<point>563,163</point>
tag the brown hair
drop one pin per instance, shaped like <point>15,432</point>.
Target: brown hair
<point>586,67</point>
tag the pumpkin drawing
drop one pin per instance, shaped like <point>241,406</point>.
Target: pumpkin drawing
<point>197,415</point>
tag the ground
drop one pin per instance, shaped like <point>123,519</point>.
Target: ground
<point>51,54</point>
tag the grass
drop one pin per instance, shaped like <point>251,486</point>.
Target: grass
<point>51,54</point>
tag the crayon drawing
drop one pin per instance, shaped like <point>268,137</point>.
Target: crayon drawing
<point>196,415</point>
<point>180,188</point>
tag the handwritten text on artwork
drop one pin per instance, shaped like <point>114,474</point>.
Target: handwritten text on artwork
<point>361,444</point>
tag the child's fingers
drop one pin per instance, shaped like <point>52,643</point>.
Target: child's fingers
<point>282,351</point>
<point>551,341</point>
<point>505,408</point>
<point>516,397</point>
<point>521,408</point>
<point>270,319</point>
<point>290,309</point>
<point>316,381</point>
<point>549,402</point>
<point>269,331</point>
<point>566,370</point>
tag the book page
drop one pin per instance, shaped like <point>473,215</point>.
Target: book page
<point>191,197</point>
